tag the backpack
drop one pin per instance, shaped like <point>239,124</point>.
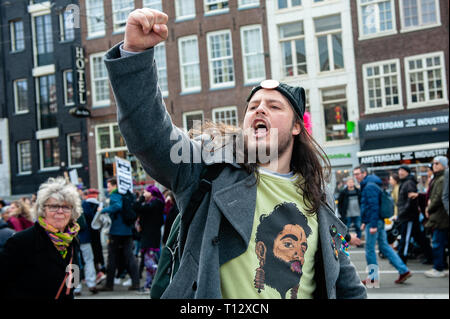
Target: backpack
<point>129,215</point>
<point>171,253</point>
<point>386,204</point>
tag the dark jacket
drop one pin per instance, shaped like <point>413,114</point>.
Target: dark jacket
<point>118,227</point>
<point>151,219</point>
<point>438,216</point>
<point>5,233</point>
<point>31,267</point>
<point>370,200</point>
<point>221,227</point>
<point>171,216</point>
<point>343,201</point>
<point>408,208</point>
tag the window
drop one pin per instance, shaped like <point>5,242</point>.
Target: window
<point>220,56</point>
<point>377,17</point>
<point>68,87</point>
<point>191,118</point>
<point>44,39</point>
<point>419,13</point>
<point>248,3</point>
<point>161,63</point>
<point>292,42</point>
<point>95,18</point>
<point>47,103</point>
<point>425,79</point>
<point>21,96</point>
<point>49,153</point>
<point>253,54</point>
<point>66,26</point>
<point>283,4</point>
<point>24,157</point>
<point>109,137</point>
<point>99,81</point>
<point>74,149</point>
<point>329,42</point>
<point>17,36</point>
<point>153,4</point>
<point>334,103</point>
<point>185,9</point>
<point>226,115</point>
<point>382,87</point>
<point>216,6</point>
<point>189,64</point>
<point>121,10</point>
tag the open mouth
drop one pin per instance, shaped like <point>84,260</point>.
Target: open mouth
<point>296,266</point>
<point>260,128</point>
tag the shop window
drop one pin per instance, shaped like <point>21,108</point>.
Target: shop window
<point>334,101</point>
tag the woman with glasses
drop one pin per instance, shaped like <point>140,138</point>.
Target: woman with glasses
<point>41,261</point>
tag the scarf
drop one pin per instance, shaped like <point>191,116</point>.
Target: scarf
<point>61,240</point>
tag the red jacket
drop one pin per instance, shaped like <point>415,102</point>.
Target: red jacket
<point>19,223</point>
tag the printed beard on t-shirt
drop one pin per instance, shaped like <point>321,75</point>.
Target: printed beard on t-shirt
<point>281,244</point>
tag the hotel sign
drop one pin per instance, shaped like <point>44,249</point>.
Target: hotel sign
<point>80,110</point>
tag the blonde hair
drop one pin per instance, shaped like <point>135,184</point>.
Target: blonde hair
<point>23,209</point>
<point>61,190</point>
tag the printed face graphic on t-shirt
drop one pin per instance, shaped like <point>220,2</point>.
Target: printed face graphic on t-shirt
<point>281,243</point>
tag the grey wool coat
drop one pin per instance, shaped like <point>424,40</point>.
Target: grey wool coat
<point>221,227</point>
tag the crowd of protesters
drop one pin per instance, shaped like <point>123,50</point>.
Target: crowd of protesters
<point>419,226</point>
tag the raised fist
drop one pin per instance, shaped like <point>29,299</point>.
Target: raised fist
<point>145,28</point>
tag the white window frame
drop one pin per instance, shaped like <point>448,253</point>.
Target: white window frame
<point>191,89</point>
<point>216,11</point>
<point>65,87</point>
<point>384,108</point>
<point>12,28</point>
<point>377,34</point>
<point>113,147</point>
<point>63,27</point>
<point>322,106</point>
<point>95,102</point>
<point>153,4</point>
<point>427,102</point>
<point>248,5</point>
<point>186,114</point>
<point>420,26</point>
<point>41,155</point>
<point>69,151</point>
<point>34,34</point>
<point>293,51</point>
<point>329,34</point>
<point>119,25</point>
<point>165,93</point>
<point>19,159</point>
<point>178,16</point>
<point>254,54</point>
<point>16,97</point>
<point>89,14</point>
<point>224,109</point>
<point>210,61</point>
<point>289,5</point>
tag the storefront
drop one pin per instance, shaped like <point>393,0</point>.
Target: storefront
<point>342,159</point>
<point>414,139</point>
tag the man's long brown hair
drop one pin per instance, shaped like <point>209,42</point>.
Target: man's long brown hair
<point>308,160</point>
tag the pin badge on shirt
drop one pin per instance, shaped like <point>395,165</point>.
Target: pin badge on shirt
<point>333,245</point>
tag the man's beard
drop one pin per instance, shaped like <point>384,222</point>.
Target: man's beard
<point>262,152</point>
<point>280,274</point>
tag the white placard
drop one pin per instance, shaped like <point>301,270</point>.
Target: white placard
<point>73,177</point>
<point>124,176</point>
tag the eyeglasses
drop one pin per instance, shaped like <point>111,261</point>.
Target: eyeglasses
<point>55,208</point>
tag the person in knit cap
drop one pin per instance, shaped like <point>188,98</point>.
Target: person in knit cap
<point>150,211</point>
<point>272,172</point>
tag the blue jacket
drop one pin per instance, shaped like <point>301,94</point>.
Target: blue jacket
<point>370,200</point>
<point>118,227</point>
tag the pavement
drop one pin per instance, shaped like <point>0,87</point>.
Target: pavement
<point>416,287</point>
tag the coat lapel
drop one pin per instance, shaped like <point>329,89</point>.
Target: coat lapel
<point>327,219</point>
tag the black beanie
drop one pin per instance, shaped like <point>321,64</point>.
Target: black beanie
<point>294,94</point>
<point>406,168</point>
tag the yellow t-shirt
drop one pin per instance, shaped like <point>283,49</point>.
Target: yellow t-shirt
<point>280,257</point>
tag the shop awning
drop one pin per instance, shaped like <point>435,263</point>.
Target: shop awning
<point>403,153</point>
